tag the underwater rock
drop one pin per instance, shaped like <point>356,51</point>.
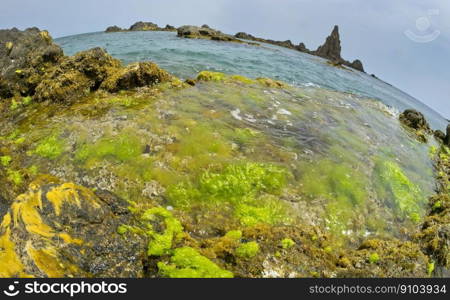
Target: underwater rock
<point>195,32</point>
<point>114,29</point>
<point>24,57</point>
<point>135,75</point>
<point>64,230</point>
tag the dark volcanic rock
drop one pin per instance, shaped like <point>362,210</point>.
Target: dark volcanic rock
<point>114,29</point>
<point>24,57</point>
<point>64,230</point>
<point>205,32</point>
<point>144,26</point>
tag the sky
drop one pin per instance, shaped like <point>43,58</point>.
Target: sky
<point>403,42</point>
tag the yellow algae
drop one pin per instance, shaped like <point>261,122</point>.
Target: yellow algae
<point>10,264</point>
<point>47,261</point>
<point>25,209</point>
<point>68,192</point>
<point>70,240</point>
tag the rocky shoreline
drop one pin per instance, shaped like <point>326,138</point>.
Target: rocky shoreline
<point>330,50</point>
<point>51,227</point>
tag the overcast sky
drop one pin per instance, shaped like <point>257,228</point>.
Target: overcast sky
<point>372,30</point>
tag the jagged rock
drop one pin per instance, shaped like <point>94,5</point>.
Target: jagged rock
<point>114,29</point>
<point>64,230</point>
<point>76,76</point>
<point>135,75</point>
<point>144,26</point>
<point>332,48</point>
<point>24,57</point>
<point>439,135</point>
<point>415,120</point>
<point>195,32</point>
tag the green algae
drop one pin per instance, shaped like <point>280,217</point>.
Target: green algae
<point>287,243</point>
<point>5,160</point>
<point>234,234</point>
<point>238,185</point>
<point>374,258</point>
<point>186,262</point>
<point>247,250</point>
<point>15,177</point>
<point>395,186</point>
<point>124,147</point>
<point>51,147</point>
<point>161,243</point>
<point>211,76</point>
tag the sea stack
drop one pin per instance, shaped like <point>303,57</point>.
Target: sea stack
<point>332,48</point>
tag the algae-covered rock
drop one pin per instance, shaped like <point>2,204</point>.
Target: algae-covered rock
<point>144,26</point>
<point>76,76</point>
<point>64,230</point>
<point>135,75</point>
<point>24,58</point>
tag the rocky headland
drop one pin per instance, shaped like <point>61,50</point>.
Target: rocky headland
<point>330,50</point>
<point>104,172</point>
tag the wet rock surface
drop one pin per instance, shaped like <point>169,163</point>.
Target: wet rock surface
<point>63,230</point>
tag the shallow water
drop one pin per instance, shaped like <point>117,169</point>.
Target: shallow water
<point>186,57</point>
<point>350,167</point>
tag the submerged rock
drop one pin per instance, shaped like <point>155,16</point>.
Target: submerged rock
<point>64,230</point>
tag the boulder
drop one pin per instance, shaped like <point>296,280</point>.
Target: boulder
<point>24,58</point>
<point>144,26</point>
<point>76,76</point>
<point>170,28</point>
<point>114,29</point>
<point>135,75</point>
<point>415,120</point>
<point>357,65</point>
<point>64,230</point>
